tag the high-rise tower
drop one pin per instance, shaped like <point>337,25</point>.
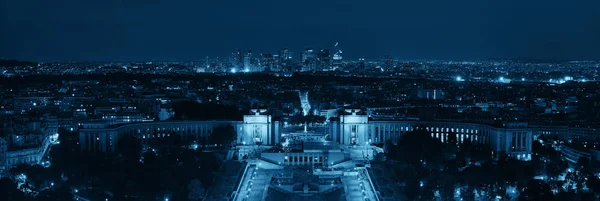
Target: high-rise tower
<point>324,60</point>
<point>248,61</point>
<point>337,57</point>
<point>309,60</point>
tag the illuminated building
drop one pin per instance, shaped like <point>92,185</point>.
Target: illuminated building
<point>350,130</point>
<point>337,58</point>
<point>255,128</point>
<point>30,146</point>
<point>357,129</point>
<point>324,60</point>
<point>309,60</point>
<point>247,61</point>
<point>268,63</point>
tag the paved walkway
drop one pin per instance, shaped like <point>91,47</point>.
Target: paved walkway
<point>254,185</point>
<point>358,187</point>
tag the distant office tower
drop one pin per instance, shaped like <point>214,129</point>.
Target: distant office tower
<point>309,60</point>
<point>285,59</point>
<point>248,61</point>
<point>287,54</point>
<point>324,60</point>
<point>237,59</point>
<point>337,57</point>
<point>277,62</point>
<point>268,63</point>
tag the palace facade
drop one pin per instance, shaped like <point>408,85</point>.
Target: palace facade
<point>513,138</point>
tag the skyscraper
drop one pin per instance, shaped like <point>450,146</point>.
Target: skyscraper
<point>324,60</point>
<point>248,61</point>
<point>309,60</point>
<point>337,57</point>
<point>237,59</point>
<point>285,59</point>
<point>268,62</point>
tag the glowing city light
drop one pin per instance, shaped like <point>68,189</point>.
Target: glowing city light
<point>233,70</point>
<point>246,70</point>
<point>459,79</point>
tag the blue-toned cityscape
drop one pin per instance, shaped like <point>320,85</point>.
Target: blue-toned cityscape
<point>320,128</point>
<point>312,100</point>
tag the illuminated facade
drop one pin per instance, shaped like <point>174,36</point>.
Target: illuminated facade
<point>514,139</point>
<point>101,137</point>
<point>25,148</point>
<point>31,155</point>
<point>316,153</point>
<point>309,60</point>
<point>258,129</point>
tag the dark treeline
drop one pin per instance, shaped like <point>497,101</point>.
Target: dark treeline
<point>13,63</point>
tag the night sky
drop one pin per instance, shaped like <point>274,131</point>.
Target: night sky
<point>102,30</point>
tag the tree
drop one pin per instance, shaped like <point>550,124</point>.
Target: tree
<point>196,190</point>
<point>64,155</point>
<point>583,165</point>
<point>537,190</point>
<point>471,152</point>
<point>390,150</point>
<point>411,189</point>
<point>565,195</point>
<point>48,195</point>
<point>9,191</point>
<point>130,147</point>
<point>418,147</point>
<point>222,135</point>
<point>556,167</point>
<point>452,138</point>
<point>594,184</point>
